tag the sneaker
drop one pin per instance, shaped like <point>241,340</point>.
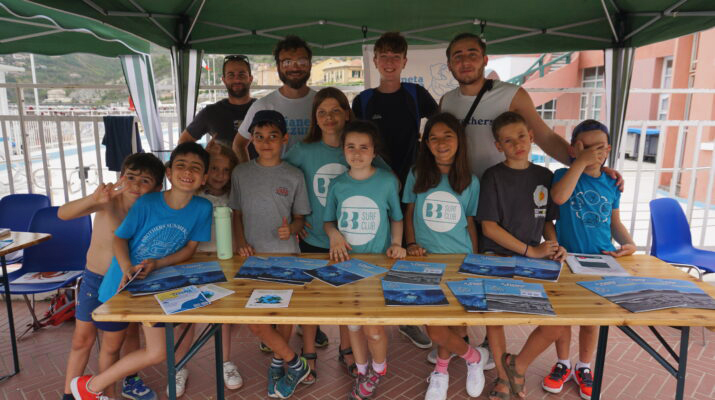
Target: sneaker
<point>231,378</point>
<point>264,348</point>
<point>432,356</point>
<point>366,385</point>
<point>286,385</point>
<point>274,375</point>
<point>475,373</point>
<point>134,388</point>
<point>182,376</point>
<point>584,378</point>
<point>490,360</point>
<point>321,339</point>
<point>554,382</point>
<point>81,392</point>
<point>416,336</point>
<point>438,385</point>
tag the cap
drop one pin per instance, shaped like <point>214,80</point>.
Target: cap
<point>589,125</point>
<point>268,116</point>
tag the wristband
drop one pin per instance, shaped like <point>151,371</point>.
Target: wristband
<point>526,250</point>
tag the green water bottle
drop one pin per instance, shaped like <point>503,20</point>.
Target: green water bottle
<point>224,240</point>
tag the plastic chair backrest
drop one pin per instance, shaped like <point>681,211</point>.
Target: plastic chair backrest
<point>66,251</point>
<point>16,210</point>
<point>671,231</point>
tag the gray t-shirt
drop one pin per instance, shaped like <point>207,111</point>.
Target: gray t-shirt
<point>518,200</point>
<point>266,195</point>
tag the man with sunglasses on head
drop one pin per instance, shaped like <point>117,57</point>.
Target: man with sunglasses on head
<point>294,99</point>
<point>222,119</point>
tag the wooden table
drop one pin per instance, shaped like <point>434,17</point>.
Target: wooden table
<point>362,303</point>
<point>20,240</point>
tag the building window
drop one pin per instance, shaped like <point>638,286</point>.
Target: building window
<point>665,83</point>
<point>591,102</point>
<point>547,110</point>
<point>356,74</point>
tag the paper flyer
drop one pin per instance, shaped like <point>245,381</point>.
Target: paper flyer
<point>182,299</point>
<point>261,298</point>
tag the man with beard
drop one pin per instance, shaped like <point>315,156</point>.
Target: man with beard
<point>294,99</point>
<point>221,119</point>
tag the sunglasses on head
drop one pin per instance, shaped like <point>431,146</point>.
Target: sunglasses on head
<point>235,57</point>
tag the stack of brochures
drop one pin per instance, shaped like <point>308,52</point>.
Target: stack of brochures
<point>638,294</point>
<point>595,264</point>
<point>290,270</point>
<point>177,276</point>
<point>412,283</point>
<point>502,295</point>
<point>507,267</point>
<point>346,272</point>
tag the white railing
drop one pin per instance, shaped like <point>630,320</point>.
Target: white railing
<point>66,161</point>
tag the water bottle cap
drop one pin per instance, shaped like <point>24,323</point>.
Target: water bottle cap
<point>222,212</point>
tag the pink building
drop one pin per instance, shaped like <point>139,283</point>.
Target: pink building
<point>685,62</point>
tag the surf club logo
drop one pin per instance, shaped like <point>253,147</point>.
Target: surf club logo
<point>322,178</point>
<point>441,211</point>
<point>359,220</point>
<point>161,241</point>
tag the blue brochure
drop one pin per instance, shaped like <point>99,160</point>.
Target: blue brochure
<point>537,268</point>
<point>417,272</point>
<point>477,264</point>
<point>263,269</point>
<point>408,294</point>
<point>512,295</point>
<point>469,293</point>
<point>638,294</point>
<point>177,276</point>
<point>346,272</point>
<point>297,262</point>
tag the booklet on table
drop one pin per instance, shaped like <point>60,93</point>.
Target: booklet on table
<point>478,264</point>
<point>46,277</point>
<point>470,294</point>
<point>512,295</point>
<point>213,292</point>
<point>409,294</point>
<point>345,272</point>
<point>182,299</point>
<point>175,276</point>
<point>416,272</point>
<point>290,270</point>
<point>595,264</point>
<point>537,268</point>
<point>265,298</point>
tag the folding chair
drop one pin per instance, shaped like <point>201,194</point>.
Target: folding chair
<point>16,211</point>
<point>66,251</point>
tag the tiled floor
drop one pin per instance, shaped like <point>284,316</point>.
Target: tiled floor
<point>630,372</point>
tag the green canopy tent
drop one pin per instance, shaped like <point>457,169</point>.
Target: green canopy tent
<point>37,29</point>
<point>190,27</point>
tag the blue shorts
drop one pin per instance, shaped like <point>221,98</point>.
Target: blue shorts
<point>88,300</point>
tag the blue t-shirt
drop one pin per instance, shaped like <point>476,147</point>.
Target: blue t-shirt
<point>363,210</point>
<point>440,217</point>
<point>155,230</point>
<point>320,164</point>
<point>584,225</point>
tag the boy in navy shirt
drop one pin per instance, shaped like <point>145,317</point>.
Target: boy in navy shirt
<point>161,229</point>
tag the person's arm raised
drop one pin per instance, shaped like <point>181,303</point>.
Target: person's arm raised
<point>544,137</point>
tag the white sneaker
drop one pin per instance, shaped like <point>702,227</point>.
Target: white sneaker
<point>475,374</point>
<point>182,376</point>
<point>490,360</point>
<point>231,378</point>
<point>432,356</point>
<point>438,385</point>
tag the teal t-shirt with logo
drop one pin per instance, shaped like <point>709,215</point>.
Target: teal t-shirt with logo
<point>440,216</point>
<point>363,210</point>
<point>320,164</point>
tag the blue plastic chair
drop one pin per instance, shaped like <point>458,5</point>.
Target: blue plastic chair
<point>672,241</point>
<point>16,211</point>
<point>65,251</point>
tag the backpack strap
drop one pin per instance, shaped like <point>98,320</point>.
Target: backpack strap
<point>365,97</point>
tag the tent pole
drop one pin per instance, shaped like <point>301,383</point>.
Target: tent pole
<point>619,70</point>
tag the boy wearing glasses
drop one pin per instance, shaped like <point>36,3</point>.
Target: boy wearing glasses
<point>222,119</point>
<point>293,100</point>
